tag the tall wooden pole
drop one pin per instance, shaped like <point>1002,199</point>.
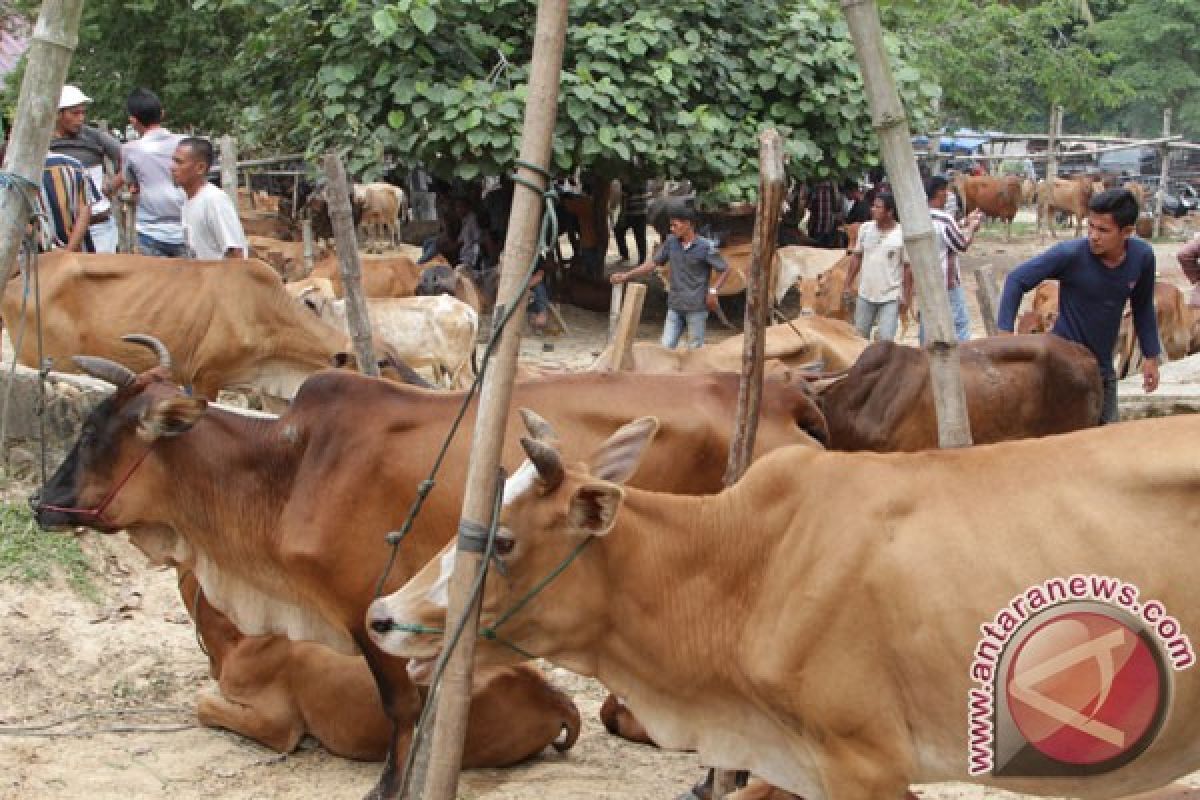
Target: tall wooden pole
<point>1045,215</point>
<point>1164,177</point>
<point>895,143</point>
<point>54,38</point>
<point>338,194</point>
<point>520,248</point>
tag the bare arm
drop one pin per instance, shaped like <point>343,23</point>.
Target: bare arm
<point>83,218</point>
<point>852,271</point>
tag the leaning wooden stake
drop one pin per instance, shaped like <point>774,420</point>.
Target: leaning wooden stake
<point>614,308</point>
<point>348,263</point>
<point>306,233</point>
<point>1164,178</point>
<point>520,248</point>
<point>50,49</point>
<point>620,349</point>
<point>229,170</point>
<point>985,292</point>
<point>895,142</point>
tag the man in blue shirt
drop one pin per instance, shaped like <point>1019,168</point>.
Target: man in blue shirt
<point>690,298</point>
<point>1096,276</point>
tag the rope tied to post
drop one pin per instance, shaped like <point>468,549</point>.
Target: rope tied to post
<point>501,316</point>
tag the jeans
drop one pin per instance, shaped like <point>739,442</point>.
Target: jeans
<point>1109,412</point>
<point>673,328</point>
<point>958,312</point>
<point>637,224</point>
<point>867,313</point>
<point>155,247</point>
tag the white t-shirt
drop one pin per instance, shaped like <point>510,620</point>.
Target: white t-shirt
<point>211,225</point>
<point>883,258</point>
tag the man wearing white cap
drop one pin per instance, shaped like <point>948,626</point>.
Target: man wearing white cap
<point>90,146</point>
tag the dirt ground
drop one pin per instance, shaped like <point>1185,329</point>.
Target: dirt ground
<point>99,697</point>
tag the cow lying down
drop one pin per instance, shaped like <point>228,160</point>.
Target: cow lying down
<point>275,691</point>
<point>834,646</point>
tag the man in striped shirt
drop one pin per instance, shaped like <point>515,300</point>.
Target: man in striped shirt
<point>951,242</point>
<point>67,196</point>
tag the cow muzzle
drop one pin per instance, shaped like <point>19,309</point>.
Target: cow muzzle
<point>393,634</point>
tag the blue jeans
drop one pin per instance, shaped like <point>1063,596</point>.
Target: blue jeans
<point>866,314</point>
<point>958,312</point>
<point>673,328</point>
<point>155,247</point>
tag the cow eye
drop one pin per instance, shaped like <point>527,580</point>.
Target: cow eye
<point>504,545</point>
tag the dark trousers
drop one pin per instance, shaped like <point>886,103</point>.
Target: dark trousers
<point>1109,412</point>
<point>637,224</point>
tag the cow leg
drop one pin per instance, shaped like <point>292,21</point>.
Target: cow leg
<point>271,720</point>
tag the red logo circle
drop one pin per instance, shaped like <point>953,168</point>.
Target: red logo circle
<point>1084,688</point>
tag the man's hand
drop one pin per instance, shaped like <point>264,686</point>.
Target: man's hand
<point>710,300</point>
<point>618,277</point>
<point>1150,374</point>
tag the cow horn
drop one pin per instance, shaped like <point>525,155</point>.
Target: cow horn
<point>146,340</point>
<point>118,375</point>
<point>546,460</point>
<point>538,427</point>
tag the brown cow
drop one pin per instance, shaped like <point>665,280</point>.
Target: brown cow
<point>1175,324</point>
<point>382,275</point>
<point>284,521</point>
<point>1017,387</point>
<point>286,257</point>
<point>274,691</point>
<point>228,324</point>
<point>1043,313</point>
<point>1069,195</point>
<point>997,197</point>
<point>823,295</point>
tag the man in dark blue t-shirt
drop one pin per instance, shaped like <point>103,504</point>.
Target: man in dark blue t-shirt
<point>1096,276</point>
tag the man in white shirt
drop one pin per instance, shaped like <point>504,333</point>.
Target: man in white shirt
<point>148,173</point>
<point>886,274</point>
<point>211,227</point>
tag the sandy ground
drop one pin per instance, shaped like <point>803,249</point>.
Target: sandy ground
<point>69,665</point>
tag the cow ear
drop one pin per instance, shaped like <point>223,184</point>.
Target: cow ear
<point>170,417</point>
<point>593,508</point>
<point>618,458</point>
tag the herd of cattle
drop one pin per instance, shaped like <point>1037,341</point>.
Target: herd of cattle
<point>812,624</point>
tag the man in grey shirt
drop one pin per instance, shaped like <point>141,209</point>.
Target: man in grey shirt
<point>692,258</point>
<point>90,146</point>
<point>148,172</point>
<point>211,227</point>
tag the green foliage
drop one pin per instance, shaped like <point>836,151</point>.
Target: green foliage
<point>1156,51</point>
<point>1003,65</point>
<point>671,88</point>
<point>31,555</point>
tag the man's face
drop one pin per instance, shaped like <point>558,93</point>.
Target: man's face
<point>1105,236</point>
<point>185,166</point>
<point>682,229</point>
<point>71,119</point>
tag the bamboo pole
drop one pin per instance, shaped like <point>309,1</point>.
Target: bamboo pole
<point>306,233</point>
<point>348,263</point>
<point>55,36</point>
<point>614,308</point>
<point>1165,177</point>
<point>520,249</point>
<point>895,143</point>
<point>1170,141</point>
<point>1045,196</point>
<point>229,169</point>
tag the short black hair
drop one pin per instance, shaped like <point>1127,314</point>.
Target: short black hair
<point>888,200</point>
<point>683,213</point>
<point>1119,202</point>
<point>202,149</point>
<point>144,106</point>
<point>935,185</point>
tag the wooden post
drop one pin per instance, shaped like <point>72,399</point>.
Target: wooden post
<point>53,42</point>
<point>127,202</point>
<point>520,249</point>
<point>772,184</point>
<point>1164,177</point>
<point>621,347</point>
<point>337,190</point>
<point>985,291</point>
<point>1045,214</point>
<point>229,171</point>
<point>310,257</point>
<point>895,142</point>
<point>614,308</point>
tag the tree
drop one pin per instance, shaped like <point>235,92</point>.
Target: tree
<point>679,88</point>
<point>1155,52</point>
